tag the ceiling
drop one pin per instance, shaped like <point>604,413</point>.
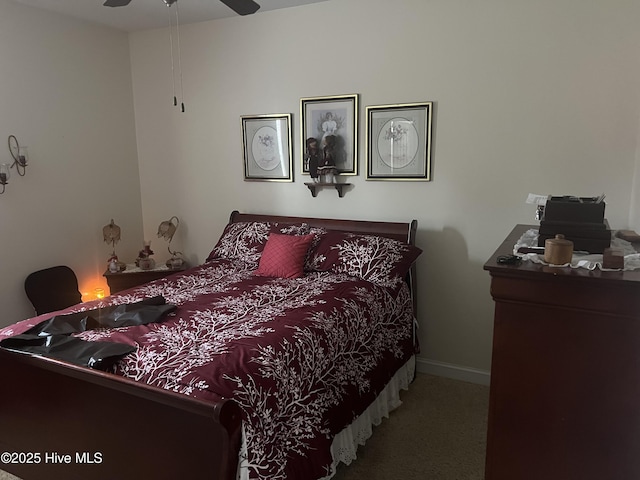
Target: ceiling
<point>145,14</point>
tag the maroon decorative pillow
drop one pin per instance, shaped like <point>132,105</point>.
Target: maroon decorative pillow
<point>284,256</point>
<point>245,241</point>
<point>379,260</point>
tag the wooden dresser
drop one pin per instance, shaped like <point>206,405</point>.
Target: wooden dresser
<point>565,375</point>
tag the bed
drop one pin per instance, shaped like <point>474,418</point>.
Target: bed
<point>266,369</point>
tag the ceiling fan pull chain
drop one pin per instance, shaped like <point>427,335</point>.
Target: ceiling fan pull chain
<point>173,75</point>
<point>179,56</point>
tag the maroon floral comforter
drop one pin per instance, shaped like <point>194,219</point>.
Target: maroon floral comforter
<point>302,357</point>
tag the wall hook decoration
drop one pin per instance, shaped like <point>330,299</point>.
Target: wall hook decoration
<point>19,154</point>
<point>20,161</point>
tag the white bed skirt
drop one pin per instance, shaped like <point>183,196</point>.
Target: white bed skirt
<point>346,443</point>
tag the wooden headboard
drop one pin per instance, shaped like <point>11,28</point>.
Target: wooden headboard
<point>404,232</point>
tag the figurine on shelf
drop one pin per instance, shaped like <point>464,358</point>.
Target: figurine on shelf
<point>114,265</point>
<point>327,168</point>
<point>144,260</point>
<point>312,158</point>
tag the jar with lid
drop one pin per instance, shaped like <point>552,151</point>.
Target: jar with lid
<point>558,250</point>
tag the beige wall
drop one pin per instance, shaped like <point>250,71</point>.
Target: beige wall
<point>530,97</point>
<point>634,210</point>
<point>65,92</point>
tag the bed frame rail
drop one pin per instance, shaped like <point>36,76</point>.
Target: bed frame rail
<point>59,420</point>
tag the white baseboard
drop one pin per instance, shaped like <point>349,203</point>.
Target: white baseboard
<point>456,372</point>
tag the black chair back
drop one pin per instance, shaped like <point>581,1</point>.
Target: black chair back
<point>52,289</point>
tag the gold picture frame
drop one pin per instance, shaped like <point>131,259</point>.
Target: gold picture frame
<point>399,141</point>
<point>334,115</point>
<point>267,147</point>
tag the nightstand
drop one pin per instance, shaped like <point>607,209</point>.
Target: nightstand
<point>134,276</point>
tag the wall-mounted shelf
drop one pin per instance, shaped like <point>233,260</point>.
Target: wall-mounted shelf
<point>338,186</point>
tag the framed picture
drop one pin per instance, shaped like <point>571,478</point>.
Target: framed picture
<point>266,144</point>
<point>399,141</point>
<point>322,117</point>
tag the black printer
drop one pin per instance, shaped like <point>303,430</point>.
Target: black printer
<point>579,219</point>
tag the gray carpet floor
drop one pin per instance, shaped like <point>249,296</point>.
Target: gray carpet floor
<point>438,433</point>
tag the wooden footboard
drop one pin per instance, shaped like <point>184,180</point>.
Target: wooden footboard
<point>58,420</point>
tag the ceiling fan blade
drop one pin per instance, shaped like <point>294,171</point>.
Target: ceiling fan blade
<point>241,7</point>
<point>116,3</point>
